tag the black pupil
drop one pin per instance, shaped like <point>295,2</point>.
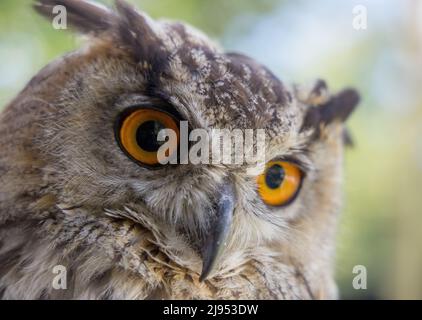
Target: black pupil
<point>146,135</point>
<point>274,176</point>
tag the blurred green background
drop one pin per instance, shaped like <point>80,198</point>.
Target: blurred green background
<point>381,226</point>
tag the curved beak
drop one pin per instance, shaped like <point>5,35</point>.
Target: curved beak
<point>215,242</point>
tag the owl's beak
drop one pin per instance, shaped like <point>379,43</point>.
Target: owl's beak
<point>215,242</point>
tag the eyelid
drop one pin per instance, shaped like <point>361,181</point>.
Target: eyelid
<point>130,101</point>
<point>159,108</point>
<point>301,164</point>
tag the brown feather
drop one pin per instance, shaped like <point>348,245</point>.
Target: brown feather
<point>81,15</point>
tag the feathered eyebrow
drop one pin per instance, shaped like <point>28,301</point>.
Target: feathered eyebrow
<point>299,159</point>
<point>338,108</point>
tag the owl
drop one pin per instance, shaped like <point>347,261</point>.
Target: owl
<point>83,190</point>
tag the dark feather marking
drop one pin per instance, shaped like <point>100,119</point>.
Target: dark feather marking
<point>135,32</point>
<point>299,274</point>
<point>44,295</point>
<point>100,281</point>
<point>347,138</point>
<point>126,26</point>
<point>320,85</point>
<point>81,15</point>
<point>265,278</point>
<point>107,295</point>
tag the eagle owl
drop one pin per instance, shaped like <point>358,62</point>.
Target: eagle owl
<point>81,186</point>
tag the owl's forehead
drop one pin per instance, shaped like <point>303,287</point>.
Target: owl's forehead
<point>183,66</point>
<point>228,90</point>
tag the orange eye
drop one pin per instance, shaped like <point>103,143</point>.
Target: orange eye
<point>138,134</point>
<point>280,183</point>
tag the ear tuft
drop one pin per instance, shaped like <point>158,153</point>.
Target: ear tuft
<point>339,108</point>
<point>82,15</point>
<point>125,26</point>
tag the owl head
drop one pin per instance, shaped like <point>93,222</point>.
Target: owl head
<point>89,124</point>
